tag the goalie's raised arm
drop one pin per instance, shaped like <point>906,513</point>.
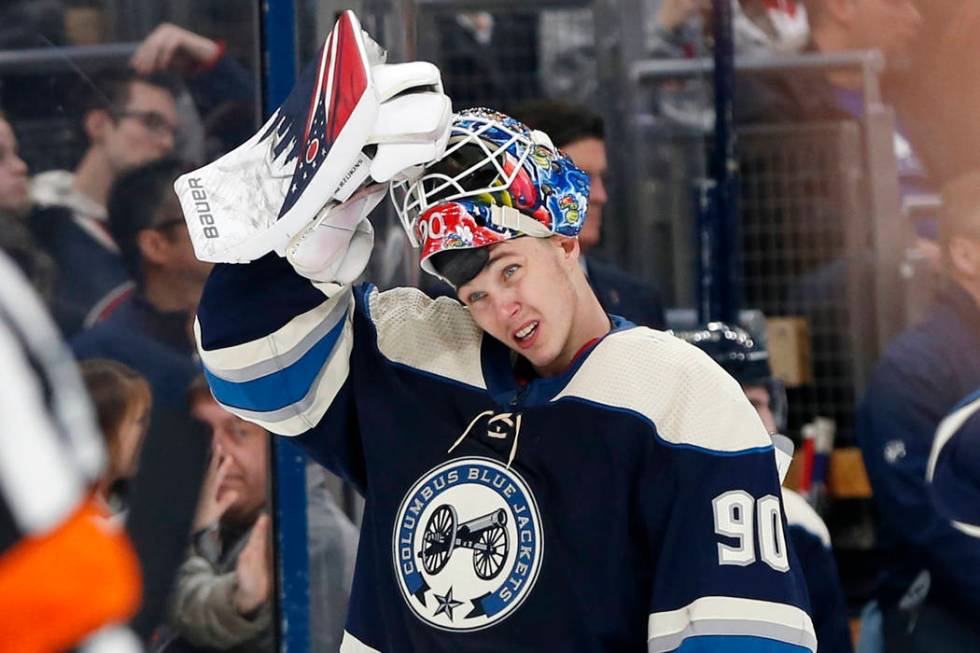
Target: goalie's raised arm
<point>351,120</point>
<point>301,189</point>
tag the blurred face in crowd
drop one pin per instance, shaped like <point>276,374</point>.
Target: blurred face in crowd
<point>14,191</point>
<point>887,25</point>
<point>759,397</point>
<point>130,437</point>
<point>589,154</point>
<point>963,254</point>
<point>525,298</point>
<point>168,245</point>
<point>247,447</point>
<point>141,131</point>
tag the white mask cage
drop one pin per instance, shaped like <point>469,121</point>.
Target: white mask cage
<point>498,138</point>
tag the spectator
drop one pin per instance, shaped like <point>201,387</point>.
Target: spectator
<point>222,90</point>
<point>62,573</point>
<point>923,374</point>
<point>128,120</point>
<point>151,330</point>
<point>739,354</point>
<point>222,597</point>
<point>841,26</point>
<point>580,134</point>
<point>674,29</point>
<point>122,401</point>
<point>15,204</point>
<point>760,27</point>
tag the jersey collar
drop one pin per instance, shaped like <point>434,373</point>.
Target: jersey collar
<point>504,386</point>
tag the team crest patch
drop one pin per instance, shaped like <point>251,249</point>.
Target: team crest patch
<point>467,544</point>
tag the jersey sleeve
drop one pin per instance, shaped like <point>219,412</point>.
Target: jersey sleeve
<point>276,351</point>
<point>726,577</point>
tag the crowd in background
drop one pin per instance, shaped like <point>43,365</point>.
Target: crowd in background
<point>103,243</point>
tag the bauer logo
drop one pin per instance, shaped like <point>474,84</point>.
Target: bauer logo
<point>202,207</point>
<point>467,544</point>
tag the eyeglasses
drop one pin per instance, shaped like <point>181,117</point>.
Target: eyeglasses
<point>152,120</point>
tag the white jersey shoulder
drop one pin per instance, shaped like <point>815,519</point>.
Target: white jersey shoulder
<point>435,336</point>
<point>801,514</point>
<point>688,397</point>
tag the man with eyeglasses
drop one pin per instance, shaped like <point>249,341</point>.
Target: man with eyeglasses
<point>128,120</point>
<point>150,330</point>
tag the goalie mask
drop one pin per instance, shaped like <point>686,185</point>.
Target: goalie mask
<point>498,180</point>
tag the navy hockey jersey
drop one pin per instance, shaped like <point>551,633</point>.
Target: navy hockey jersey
<point>630,504</point>
<point>954,467</point>
<point>811,542</point>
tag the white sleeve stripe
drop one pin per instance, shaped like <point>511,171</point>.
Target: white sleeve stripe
<point>969,529</point>
<point>734,629</point>
<point>689,399</point>
<point>723,615</point>
<point>351,644</point>
<point>279,349</point>
<point>947,428</point>
<point>40,481</point>
<point>303,415</point>
<point>289,356</point>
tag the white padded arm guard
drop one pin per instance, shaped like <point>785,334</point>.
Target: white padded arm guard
<point>350,120</point>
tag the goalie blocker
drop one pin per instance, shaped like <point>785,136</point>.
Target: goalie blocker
<point>351,119</point>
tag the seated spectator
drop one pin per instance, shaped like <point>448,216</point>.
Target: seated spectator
<point>221,601</point>
<point>150,331</point>
<point>580,134</point>
<point>222,91</point>
<point>923,374</point>
<point>889,26</point>
<point>15,204</point>
<point>759,26</point>
<point>675,29</point>
<point>748,363</point>
<point>122,401</point>
<point>128,121</point>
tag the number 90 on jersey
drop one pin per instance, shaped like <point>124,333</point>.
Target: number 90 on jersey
<point>746,520</point>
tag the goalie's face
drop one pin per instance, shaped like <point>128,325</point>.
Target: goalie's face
<point>525,298</point>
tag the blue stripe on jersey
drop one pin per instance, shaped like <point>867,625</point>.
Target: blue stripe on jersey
<point>282,388</point>
<point>242,303</point>
<point>737,644</point>
<point>660,438</point>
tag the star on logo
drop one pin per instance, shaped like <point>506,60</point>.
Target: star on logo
<point>446,604</point>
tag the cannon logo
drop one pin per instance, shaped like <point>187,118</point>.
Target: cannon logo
<point>467,544</point>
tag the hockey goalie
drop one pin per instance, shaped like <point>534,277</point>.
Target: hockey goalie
<point>538,475</point>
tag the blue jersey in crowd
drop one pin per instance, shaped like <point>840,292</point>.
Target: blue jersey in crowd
<point>631,503</point>
<point>811,541</point>
<point>954,469</point>
<point>924,373</point>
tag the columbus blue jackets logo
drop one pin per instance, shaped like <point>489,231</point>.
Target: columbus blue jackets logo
<point>467,544</point>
